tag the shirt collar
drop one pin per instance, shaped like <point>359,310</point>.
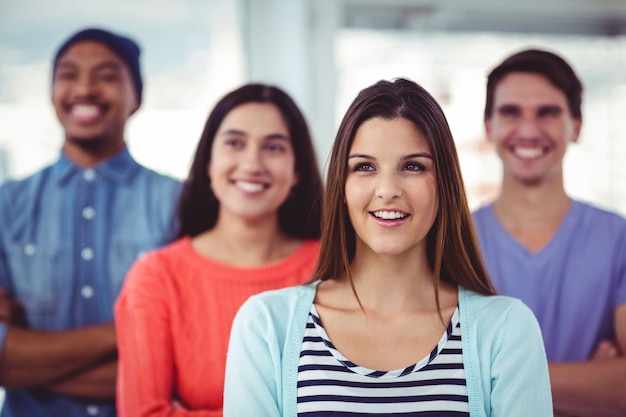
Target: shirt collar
<point>119,168</point>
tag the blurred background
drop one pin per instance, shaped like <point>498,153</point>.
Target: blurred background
<point>322,52</point>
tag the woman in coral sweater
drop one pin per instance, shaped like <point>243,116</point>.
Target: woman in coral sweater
<point>249,222</point>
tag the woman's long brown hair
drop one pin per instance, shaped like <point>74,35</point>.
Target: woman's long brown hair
<point>452,247</point>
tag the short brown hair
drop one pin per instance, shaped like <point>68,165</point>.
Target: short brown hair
<point>544,63</point>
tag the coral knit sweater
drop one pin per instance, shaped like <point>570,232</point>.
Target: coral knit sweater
<point>173,322</point>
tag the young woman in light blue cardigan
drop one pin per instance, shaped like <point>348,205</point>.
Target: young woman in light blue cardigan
<point>400,317</point>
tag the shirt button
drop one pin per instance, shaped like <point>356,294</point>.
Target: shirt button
<point>89,213</point>
<point>87,292</point>
<point>86,254</point>
<point>89,174</point>
<point>93,410</point>
<point>30,249</point>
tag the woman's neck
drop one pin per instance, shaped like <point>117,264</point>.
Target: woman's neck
<point>245,243</point>
<point>389,283</point>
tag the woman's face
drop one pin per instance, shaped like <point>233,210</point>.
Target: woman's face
<point>391,189</point>
<point>253,165</point>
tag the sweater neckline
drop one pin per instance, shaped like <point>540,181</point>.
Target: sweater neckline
<point>355,368</point>
<point>307,248</point>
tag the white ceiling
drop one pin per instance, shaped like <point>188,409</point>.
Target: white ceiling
<point>584,17</point>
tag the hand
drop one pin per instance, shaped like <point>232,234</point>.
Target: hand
<point>606,349</point>
<point>11,311</point>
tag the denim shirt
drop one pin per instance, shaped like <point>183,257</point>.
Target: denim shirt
<point>68,236</point>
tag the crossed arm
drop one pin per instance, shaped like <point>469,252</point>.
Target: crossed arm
<point>596,387</point>
<point>79,362</point>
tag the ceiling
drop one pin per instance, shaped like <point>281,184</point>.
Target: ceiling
<point>582,17</point>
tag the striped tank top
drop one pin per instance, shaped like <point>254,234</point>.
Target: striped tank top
<point>331,385</point>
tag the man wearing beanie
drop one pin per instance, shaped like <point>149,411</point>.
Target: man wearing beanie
<point>69,233</point>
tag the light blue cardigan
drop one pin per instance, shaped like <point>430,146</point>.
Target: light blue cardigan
<point>505,362</point>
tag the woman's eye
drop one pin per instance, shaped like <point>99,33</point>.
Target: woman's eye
<point>412,166</point>
<point>363,167</point>
<point>275,147</point>
<point>234,143</point>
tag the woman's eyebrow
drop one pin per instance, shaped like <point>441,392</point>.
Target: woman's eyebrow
<point>360,155</point>
<point>418,155</point>
<point>277,136</point>
<point>406,157</point>
<point>233,132</point>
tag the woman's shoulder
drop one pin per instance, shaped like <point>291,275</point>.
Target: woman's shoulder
<point>172,249</point>
<point>159,262</point>
<point>277,306</point>
<point>311,245</point>
<point>307,251</point>
<point>282,298</point>
<point>493,307</point>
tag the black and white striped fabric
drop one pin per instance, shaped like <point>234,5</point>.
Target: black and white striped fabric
<point>331,385</point>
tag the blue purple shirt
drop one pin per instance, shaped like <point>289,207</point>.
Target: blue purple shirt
<point>573,284</point>
<point>68,236</point>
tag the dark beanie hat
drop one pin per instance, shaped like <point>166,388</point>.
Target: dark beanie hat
<point>126,48</point>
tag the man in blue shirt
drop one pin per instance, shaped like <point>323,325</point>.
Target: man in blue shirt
<point>69,233</point>
<point>565,259</point>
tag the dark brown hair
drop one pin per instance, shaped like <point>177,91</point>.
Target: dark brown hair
<point>299,216</point>
<point>544,63</point>
<point>452,248</point>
